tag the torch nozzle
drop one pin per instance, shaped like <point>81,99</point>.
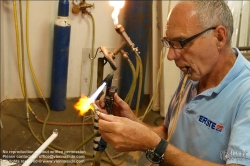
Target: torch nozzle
<point>108,79</point>
<point>120,29</point>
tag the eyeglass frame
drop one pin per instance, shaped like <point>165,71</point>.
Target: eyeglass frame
<point>167,43</point>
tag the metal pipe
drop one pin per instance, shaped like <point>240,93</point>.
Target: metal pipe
<point>120,29</point>
<point>109,56</point>
<point>119,48</point>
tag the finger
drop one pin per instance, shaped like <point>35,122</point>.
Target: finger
<point>119,101</point>
<point>97,102</point>
<point>106,117</point>
<point>105,127</point>
<point>101,101</point>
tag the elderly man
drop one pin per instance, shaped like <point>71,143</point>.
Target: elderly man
<point>213,121</point>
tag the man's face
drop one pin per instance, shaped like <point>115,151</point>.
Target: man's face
<point>201,54</point>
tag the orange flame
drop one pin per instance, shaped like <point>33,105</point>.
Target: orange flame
<point>117,6</point>
<point>83,105</point>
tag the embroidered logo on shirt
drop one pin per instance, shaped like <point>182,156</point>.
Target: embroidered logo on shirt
<point>209,123</point>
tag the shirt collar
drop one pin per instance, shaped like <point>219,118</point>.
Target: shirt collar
<point>233,72</point>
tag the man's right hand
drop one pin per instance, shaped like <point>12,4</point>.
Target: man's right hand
<point>121,108</point>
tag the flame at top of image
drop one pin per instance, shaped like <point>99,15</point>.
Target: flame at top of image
<point>117,6</point>
<point>84,105</point>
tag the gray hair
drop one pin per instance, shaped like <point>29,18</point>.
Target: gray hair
<point>213,13</point>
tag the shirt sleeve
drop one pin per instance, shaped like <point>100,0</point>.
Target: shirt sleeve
<point>238,151</point>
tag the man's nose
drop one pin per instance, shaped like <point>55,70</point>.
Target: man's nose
<point>172,54</point>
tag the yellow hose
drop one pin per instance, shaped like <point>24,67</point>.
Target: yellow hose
<point>137,73</point>
<point>176,113</point>
<point>130,94</point>
<point>18,48</point>
<point>139,63</point>
<point>22,63</point>
<point>134,82</point>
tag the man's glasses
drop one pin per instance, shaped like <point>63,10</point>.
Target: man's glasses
<point>180,44</point>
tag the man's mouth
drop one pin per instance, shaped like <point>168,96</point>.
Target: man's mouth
<point>188,70</point>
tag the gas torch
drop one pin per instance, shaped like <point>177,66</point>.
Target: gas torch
<point>85,103</point>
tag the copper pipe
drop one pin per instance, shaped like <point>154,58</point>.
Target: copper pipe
<point>119,48</point>
<point>120,29</point>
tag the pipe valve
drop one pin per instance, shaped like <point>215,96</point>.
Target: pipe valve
<point>82,6</point>
<point>109,56</point>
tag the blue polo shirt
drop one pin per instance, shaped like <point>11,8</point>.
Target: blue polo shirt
<point>215,124</point>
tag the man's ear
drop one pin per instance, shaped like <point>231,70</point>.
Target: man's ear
<point>221,35</point>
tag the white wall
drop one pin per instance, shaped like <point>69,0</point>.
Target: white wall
<point>42,17</point>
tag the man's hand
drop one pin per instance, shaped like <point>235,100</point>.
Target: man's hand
<point>121,108</point>
<point>126,135</point>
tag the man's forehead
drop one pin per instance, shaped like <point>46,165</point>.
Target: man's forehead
<point>175,33</point>
<point>181,20</point>
<point>182,12</point>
